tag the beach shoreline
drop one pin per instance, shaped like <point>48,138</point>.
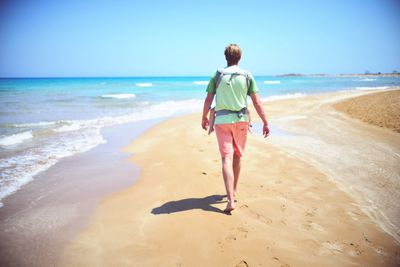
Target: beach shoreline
<point>37,221</point>
<point>361,158</point>
<point>175,207</point>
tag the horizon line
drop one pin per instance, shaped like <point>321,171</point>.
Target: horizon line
<point>172,76</point>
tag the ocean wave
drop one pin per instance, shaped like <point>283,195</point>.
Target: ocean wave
<point>76,136</point>
<point>15,138</point>
<point>145,112</point>
<point>68,128</point>
<point>34,124</point>
<point>365,80</point>
<point>20,169</point>
<point>373,88</point>
<point>144,84</point>
<point>272,82</point>
<point>285,96</point>
<point>119,96</point>
<point>200,82</point>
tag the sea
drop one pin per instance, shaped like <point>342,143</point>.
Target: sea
<point>43,120</point>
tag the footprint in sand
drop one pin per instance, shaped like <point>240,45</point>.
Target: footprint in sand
<point>283,207</point>
<point>353,249</point>
<point>311,212</point>
<point>239,232</point>
<point>310,225</point>
<point>366,239</point>
<point>242,232</point>
<point>242,263</point>
<point>330,248</point>
<point>231,238</point>
<point>283,264</point>
<point>380,250</point>
<point>258,216</point>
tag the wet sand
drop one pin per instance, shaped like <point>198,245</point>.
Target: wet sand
<point>310,195</point>
<point>362,159</point>
<point>39,220</point>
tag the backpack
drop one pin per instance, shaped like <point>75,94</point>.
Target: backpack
<point>222,72</point>
<point>218,78</point>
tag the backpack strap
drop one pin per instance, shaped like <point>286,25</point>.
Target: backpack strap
<point>218,77</point>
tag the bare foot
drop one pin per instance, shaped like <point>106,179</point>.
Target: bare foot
<point>229,207</point>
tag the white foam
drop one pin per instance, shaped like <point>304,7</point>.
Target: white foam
<point>20,169</point>
<point>34,124</point>
<point>373,88</point>
<point>82,135</point>
<point>144,112</point>
<point>286,96</point>
<point>144,84</point>
<point>200,82</point>
<point>68,128</point>
<point>272,82</point>
<point>365,80</point>
<point>119,96</point>
<point>15,138</point>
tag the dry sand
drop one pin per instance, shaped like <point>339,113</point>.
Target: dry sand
<point>381,109</point>
<point>290,211</point>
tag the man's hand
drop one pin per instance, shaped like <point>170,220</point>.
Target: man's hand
<point>205,123</point>
<point>265,130</point>
<point>206,108</point>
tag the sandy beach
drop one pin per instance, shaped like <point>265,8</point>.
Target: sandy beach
<point>313,194</point>
<point>39,220</point>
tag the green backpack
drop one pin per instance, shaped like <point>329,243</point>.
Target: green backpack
<point>222,72</point>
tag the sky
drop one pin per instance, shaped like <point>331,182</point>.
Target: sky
<point>187,38</point>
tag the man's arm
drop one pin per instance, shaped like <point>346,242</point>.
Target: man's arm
<point>260,111</point>
<point>206,108</point>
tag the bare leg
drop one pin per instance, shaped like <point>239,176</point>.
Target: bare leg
<point>236,173</point>
<point>227,172</point>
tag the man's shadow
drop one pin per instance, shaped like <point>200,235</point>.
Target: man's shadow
<point>190,204</point>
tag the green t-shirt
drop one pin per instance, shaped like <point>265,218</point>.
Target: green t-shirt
<point>231,94</point>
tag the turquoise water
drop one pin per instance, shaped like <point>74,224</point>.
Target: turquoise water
<point>44,120</point>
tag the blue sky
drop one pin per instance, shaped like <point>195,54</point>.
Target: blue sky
<point>157,38</point>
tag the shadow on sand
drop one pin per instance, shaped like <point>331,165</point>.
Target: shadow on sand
<point>190,204</point>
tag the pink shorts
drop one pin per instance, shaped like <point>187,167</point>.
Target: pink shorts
<point>232,138</point>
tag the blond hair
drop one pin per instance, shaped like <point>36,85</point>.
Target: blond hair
<point>233,53</point>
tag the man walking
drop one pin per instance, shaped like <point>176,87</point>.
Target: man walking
<point>231,86</point>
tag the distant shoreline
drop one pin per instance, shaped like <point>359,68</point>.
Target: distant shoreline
<point>207,76</point>
<point>340,75</point>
